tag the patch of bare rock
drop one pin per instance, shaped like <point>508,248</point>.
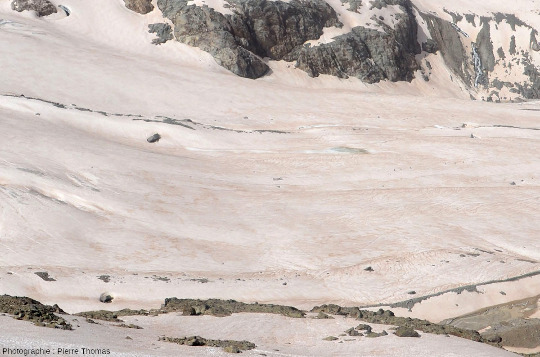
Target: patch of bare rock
<point>24,308</point>
<point>230,346</point>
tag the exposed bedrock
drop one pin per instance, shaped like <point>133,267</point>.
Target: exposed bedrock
<point>23,308</point>
<point>278,30</point>
<point>450,46</point>
<point>257,29</point>
<point>41,7</point>
<point>368,54</point>
<point>250,31</point>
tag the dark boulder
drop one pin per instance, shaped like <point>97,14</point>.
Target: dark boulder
<point>106,298</point>
<point>154,138</point>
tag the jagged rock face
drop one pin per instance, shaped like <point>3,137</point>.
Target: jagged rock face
<point>274,28</point>
<point>258,28</point>
<point>250,30</point>
<point>212,32</point>
<point>41,7</point>
<point>140,6</point>
<point>278,30</point>
<point>347,56</point>
<point>368,54</point>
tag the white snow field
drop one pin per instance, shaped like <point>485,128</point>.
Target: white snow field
<point>275,336</point>
<point>278,190</point>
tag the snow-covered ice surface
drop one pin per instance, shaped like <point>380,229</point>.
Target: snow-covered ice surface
<point>274,336</point>
<point>286,179</point>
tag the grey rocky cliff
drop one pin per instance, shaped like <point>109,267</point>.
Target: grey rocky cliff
<point>41,7</point>
<point>368,54</point>
<point>277,30</point>
<point>251,32</point>
<point>139,6</point>
<point>256,29</point>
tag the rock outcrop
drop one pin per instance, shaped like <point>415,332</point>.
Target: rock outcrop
<point>256,29</point>
<point>278,30</point>
<point>386,317</point>
<point>23,308</point>
<point>369,54</point>
<point>139,6</point>
<point>243,35</point>
<point>41,7</point>
<point>218,307</point>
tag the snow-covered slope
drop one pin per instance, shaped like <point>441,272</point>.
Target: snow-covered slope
<point>254,183</point>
